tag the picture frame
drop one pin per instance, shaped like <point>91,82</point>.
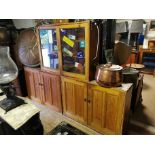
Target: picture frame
<point>152,25</point>
<point>151,44</point>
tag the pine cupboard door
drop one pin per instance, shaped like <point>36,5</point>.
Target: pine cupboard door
<point>29,83</point>
<point>37,86</point>
<point>105,110</point>
<point>32,83</point>
<point>74,95</point>
<point>51,91</point>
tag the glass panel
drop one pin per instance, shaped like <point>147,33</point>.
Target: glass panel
<point>73,50</point>
<point>49,48</point>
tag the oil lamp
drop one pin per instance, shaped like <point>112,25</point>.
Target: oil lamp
<point>8,73</point>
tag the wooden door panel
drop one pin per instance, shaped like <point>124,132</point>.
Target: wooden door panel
<point>105,110</point>
<point>30,83</point>
<point>96,109</point>
<point>111,111</point>
<point>80,104</point>
<point>51,91</point>
<point>36,83</point>
<point>74,99</point>
<point>69,99</point>
<point>31,86</point>
<point>56,92</point>
<point>46,88</point>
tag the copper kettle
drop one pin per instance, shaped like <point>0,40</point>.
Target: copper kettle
<point>109,75</point>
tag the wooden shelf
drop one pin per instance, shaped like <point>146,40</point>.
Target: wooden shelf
<point>148,50</point>
<point>145,51</point>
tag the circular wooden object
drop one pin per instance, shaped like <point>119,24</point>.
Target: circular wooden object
<point>28,48</point>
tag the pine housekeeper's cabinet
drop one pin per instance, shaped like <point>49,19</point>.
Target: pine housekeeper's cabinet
<point>69,49</point>
<point>68,54</point>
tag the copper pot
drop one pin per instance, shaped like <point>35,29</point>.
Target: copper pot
<point>109,75</point>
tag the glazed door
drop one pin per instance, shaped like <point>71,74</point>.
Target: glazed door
<point>74,96</point>
<point>105,110</point>
<point>75,50</point>
<point>49,48</point>
<point>51,91</point>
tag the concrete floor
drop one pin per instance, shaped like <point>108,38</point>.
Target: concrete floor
<point>50,119</point>
<point>146,112</point>
<point>143,119</point>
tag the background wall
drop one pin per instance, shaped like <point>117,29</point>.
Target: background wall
<point>27,23</point>
<point>24,23</point>
<point>148,34</point>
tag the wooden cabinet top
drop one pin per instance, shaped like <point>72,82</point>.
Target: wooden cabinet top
<point>125,86</point>
<point>30,68</point>
<point>61,24</point>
